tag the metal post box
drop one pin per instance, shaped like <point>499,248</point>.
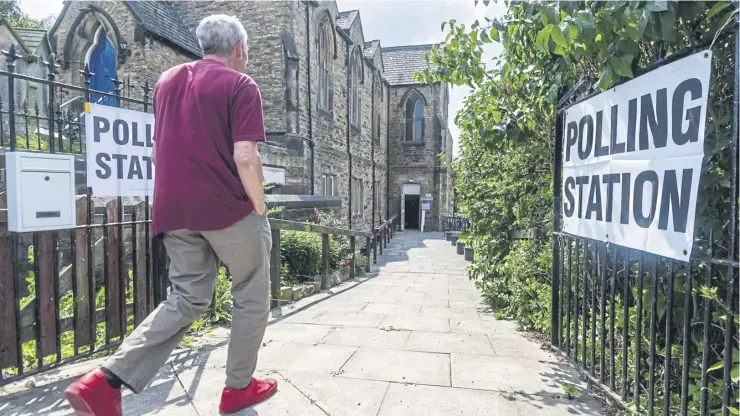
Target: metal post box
<point>41,191</point>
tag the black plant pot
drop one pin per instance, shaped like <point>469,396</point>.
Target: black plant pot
<point>468,254</point>
<point>460,248</point>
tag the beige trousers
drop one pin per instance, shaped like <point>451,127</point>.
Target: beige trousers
<point>194,260</point>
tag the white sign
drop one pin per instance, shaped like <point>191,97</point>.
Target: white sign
<point>632,158</point>
<point>119,151</point>
<point>426,207</point>
<point>275,176</point>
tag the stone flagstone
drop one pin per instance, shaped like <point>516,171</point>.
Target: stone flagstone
<point>413,338</point>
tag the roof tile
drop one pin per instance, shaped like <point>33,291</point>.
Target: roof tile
<point>163,20</point>
<point>402,62</point>
<point>345,19</point>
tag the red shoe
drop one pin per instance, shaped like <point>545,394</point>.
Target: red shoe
<point>257,391</point>
<point>91,395</point>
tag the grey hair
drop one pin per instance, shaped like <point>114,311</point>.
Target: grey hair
<point>219,33</point>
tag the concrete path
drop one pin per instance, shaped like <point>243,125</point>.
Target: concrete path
<point>414,339</point>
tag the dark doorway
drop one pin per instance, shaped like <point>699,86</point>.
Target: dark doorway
<point>412,211</point>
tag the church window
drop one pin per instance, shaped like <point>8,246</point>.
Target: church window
<point>103,64</point>
<point>414,120</point>
<point>323,61</point>
<point>355,103</point>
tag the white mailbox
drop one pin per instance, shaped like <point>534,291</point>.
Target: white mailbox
<point>41,191</point>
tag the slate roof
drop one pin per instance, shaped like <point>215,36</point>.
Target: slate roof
<point>164,20</point>
<point>345,19</point>
<point>401,62</point>
<point>32,38</point>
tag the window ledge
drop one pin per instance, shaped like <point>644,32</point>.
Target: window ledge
<point>326,114</point>
<point>412,143</point>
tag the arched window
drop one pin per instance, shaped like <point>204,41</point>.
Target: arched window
<point>377,109</point>
<point>414,120</point>
<point>355,102</point>
<point>323,62</point>
<point>102,63</point>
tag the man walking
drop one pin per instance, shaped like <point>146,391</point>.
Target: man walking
<point>208,205</point>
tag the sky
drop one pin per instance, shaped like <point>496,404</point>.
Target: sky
<point>394,22</point>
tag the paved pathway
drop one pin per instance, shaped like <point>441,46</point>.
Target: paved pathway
<point>415,339</point>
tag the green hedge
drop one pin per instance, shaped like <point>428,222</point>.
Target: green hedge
<point>504,167</point>
<point>300,252</point>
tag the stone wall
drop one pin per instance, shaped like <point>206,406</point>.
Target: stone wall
<point>263,21</point>
<point>418,162</point>
<point>282,49</point>
<point>424,176</point>
<point>329,130</point>
<point>148,59</point>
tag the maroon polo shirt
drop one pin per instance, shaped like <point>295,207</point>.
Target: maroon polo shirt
<point>200,110</point>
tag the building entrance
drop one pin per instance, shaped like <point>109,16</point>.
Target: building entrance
<point>411,219</point>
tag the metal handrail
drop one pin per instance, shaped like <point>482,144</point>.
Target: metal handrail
<point>385,231</point>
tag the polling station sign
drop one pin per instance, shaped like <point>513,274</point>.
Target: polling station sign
<point>119,151</point>
<point>632,158</point>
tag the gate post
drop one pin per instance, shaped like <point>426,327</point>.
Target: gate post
<point>325,260</point>
<point>375,247</point>
<point>275,270</point>
<point>556,202</point>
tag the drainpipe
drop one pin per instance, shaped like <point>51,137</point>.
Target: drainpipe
<point>372,144</point>
<point>387,153</point>
<point>310,102</point>
<point>349,152</point>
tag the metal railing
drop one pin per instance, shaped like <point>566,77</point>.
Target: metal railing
<point>97,281</point>
<point>639,325</point>
<point>455,223</point>
<point>382,236</point>
<point>66,295</point>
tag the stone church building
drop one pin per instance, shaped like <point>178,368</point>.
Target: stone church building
<point>344,115</point>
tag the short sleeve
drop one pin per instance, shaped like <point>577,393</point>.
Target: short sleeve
<point>247,121</point>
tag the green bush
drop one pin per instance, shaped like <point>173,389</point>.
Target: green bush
<point>339,250</point>
<point>300,252</point>
<point>521,288</point>
<point>34,143</point>
<point>504,181</point>
<point>360,263</point>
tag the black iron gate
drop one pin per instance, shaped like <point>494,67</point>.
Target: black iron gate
<point>658,335</point>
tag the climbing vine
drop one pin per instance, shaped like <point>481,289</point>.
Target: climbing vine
<point>503,172</point>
